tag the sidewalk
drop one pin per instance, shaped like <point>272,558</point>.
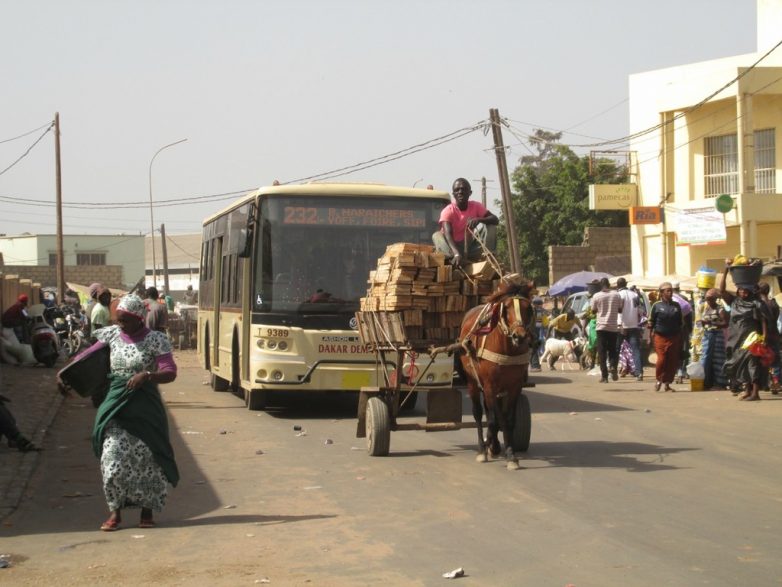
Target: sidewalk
<point>35,401</point>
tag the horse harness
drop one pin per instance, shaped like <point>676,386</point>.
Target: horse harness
<point>491,316</point>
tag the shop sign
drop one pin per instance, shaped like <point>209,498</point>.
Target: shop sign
<point>613,196</point>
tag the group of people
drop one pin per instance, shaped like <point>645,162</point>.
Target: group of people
<point>725,327</point>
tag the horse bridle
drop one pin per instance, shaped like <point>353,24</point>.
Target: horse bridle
<point>509,330</point>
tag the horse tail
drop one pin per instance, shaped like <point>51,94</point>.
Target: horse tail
<point>461,374</point>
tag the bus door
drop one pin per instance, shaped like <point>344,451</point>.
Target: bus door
<point>219,260</point>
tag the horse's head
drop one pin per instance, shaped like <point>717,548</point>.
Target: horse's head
<point>518,320</point>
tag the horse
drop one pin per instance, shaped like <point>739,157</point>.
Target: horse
<point>495,348</point>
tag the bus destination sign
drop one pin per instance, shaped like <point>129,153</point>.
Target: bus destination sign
<point>329,216</point>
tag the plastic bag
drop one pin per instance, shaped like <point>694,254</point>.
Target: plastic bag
<point>696,371</point>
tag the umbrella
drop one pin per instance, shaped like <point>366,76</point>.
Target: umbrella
<point>575,282</point>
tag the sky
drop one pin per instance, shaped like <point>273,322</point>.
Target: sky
<point>284,90</point>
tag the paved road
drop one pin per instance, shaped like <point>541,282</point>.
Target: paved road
<point>621,486</point>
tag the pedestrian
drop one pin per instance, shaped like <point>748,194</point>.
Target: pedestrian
<point>665,326</point>
<point>713,320</point>
<point>130,435</point>
<point>191,296</point>
<point>9,429</point>
<point>607,305</point>
<point>157,312</point>
<point>561,327</point>
<point>452,239</point>
<point>687,328</point>
<point>100,316</point>
<point>629,327</point>
<point>772,338</point>
<point>15,317</point>
<point>93,293</point>
<point>541,320</point>
<point>166,298</point>
<point>747,317</point>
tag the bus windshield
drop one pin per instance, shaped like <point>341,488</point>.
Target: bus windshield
<point>314,254</point>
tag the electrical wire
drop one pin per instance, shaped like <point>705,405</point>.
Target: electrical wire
<point>30,148</point>
<point>189,254</point>
<point>29,132</point>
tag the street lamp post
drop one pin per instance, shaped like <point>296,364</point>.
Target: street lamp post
<point>151,215</point>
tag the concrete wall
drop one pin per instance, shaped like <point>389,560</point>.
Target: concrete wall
<point>108,275</point>
<point>605,249</point>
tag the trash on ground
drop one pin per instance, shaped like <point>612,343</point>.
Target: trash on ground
<point>574,413</point>
<point>259,452</point>
<point>191,432</point>
<point>454,574</point>
<point>264,580</point>
<point>199,482</point>
<point>647,410</point>
<point>598,418</point>
<point>229,507</point>
<point>296,427</point>
<point>249,535</point>
<point>139,536</point>
<point>357,448</point>
<point>302,433</point>
<point>360,478</point>
<point>4,563</point>
<point>223,431</point>
<point>313,487</point>
<point>328,441</point>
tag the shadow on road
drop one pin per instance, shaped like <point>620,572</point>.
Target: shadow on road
<point>614,455</point>
<point>541,402</point>
<point>245,519</point>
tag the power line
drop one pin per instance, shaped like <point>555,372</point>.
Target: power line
<point>30,148</point>
<point>29,132</point>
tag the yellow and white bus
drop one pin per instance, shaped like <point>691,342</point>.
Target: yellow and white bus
<point>282,271</point>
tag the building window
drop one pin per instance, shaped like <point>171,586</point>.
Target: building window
<point>90,258</point>
<point>765,155</point>
<point>52,259</point>
<point>721,164</point>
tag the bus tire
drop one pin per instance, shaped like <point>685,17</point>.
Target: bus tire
<point>255,399</point>
<point>522,427</point>
<point>378,427</point>
<point>218,383</point>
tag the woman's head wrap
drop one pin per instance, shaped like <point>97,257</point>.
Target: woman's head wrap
<point>132,304</point>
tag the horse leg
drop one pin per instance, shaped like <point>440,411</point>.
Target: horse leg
<point>493,437</point>
<point>505,417</point>
<point>477,413</point>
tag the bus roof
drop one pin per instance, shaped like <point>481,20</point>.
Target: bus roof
<point>333,189</point>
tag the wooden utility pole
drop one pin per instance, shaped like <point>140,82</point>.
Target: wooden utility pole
<point>58,181</point>
<point>165,258</point>
<point>502,169</point>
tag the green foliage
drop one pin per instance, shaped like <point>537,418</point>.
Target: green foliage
<point>550,202</point>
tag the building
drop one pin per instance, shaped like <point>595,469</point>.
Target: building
<point>183,256</point>
<point>116,260</point>
<point>710,129</point>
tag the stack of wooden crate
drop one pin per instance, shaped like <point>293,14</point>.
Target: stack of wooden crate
<point>430,296</point>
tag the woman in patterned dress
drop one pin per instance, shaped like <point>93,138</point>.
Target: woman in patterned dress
<point>131,428</point>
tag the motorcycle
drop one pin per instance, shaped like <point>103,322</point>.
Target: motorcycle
<point>73,337</point>
<point>43,337</point>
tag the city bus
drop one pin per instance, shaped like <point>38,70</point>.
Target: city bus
<point>282,271</point>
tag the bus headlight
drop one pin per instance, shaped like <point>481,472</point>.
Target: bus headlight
<point>260,343</point>
<point>271,345</point>
<point>262,374</point>
<point>277,375</point>
<point>282,345</point>
<point>430,378</point>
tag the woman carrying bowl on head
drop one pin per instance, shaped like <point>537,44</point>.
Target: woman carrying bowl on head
<point>665,325</point>
<point>746,317</point>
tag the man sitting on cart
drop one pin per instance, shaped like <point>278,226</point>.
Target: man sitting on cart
<point>453,240</point>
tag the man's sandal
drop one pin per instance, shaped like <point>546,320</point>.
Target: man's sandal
<point>147,523</point>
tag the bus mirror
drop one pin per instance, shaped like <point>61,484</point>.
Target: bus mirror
<point>244,245</point>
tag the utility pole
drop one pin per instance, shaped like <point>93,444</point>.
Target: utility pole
<point>502,168</point>
<point>58,181</point>
<point>483,181</point>
<point>165,258</point>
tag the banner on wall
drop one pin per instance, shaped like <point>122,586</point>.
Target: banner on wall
<point>697,226</point>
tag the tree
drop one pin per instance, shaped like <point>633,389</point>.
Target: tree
<point>550,199</point>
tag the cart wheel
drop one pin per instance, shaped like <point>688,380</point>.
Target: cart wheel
<point>522,428</point>
<point>378,427</point>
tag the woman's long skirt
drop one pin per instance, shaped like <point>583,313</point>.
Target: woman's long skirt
<point>131,476</point>
<point>668,349</point>
<point>713,358</point>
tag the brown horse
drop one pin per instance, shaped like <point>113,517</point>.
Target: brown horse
<point>496,339</point>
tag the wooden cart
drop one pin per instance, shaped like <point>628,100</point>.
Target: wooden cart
<point>182,327</point>
<point>378,407</point>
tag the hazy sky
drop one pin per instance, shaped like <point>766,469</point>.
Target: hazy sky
<point>267,90</point>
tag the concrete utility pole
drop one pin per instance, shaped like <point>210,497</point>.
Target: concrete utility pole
<point>165,257</point>
<point>58,182</point>
<point>502,169</point>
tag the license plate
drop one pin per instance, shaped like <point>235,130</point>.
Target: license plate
<point>356,380</point>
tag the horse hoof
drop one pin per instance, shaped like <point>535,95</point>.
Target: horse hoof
<point>481,458</point>
<point>513,466</point>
